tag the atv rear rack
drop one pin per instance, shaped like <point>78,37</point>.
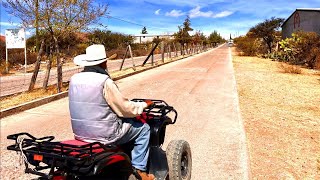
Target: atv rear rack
<point>87,159</point>
<point>44,147</point>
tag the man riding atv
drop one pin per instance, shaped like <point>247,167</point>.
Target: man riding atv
<point>100,113</point>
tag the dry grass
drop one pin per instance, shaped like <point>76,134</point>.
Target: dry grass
<point>17,99</point>
<point>282,119</point>
<point>287,68</point>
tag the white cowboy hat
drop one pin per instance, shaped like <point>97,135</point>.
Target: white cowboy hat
<point>95,54</point>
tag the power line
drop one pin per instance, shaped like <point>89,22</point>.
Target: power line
<point>134,23</point>
<point>108,16</point>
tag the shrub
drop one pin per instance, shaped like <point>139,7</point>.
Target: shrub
<point>287,68</point>
<point>2,50</point>
<point>246,45</point>
<point>303,48</point>
<point>3,66</point>
<point>16,56</point>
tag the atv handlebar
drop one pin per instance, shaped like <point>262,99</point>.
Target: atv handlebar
<point>159,107</point>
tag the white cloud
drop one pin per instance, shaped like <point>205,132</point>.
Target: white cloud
<point>197,13</point>
<point>175,13</point>
<point>223,14</point>
<point>157,12</point>
<point>183,3</point>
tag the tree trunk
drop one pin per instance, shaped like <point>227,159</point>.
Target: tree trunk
<point>130,51</point>
<point>162,51</point>
<point>169,49</point>
<point>175,49</point>
<point>36,68</point>
<point>49,63</point>
<point>152,58</point>
<point>270,47</point>
<point>37,25</point>
<point>59,66</point>
<point>47,76</point>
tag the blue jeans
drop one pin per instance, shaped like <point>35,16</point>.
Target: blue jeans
<point>139,134</point>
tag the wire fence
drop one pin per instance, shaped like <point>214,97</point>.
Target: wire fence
<point>20,83</point>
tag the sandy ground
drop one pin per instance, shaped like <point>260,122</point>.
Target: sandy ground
<point>281,114</point>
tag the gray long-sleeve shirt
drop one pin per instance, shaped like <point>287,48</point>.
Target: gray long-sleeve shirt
<point>121,105</point>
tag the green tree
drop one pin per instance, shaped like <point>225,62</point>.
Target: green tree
<point>183,36</point>
<point>215,38</point>
<point>197,38</point>
<point>144,30</point>
<point>267,30</point>
<point>303,48</point>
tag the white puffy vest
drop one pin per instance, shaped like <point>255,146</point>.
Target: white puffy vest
<point>91,117</point>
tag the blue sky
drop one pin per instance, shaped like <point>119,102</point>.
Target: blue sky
<point>164,16</point>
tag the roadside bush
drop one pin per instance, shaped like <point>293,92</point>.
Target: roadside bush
<point>120,53</point>
<point>303,48</point>
<point>287,68</point>
<point>246,45</point>
<point>109,39</point>
<point>3,66</point>
<point>141,52</point>
<point>16,56</point>
<point>2,50</point>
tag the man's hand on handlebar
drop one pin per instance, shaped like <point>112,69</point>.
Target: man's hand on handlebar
<point>149,102</point>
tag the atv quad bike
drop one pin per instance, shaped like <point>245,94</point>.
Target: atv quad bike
<point>73,159</point>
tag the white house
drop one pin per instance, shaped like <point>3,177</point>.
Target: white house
<point>143,38</point>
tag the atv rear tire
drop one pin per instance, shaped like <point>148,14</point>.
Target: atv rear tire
<point>179,160</point>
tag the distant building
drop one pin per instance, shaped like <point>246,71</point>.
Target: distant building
<point>143,38</point>
<point>307,20</point>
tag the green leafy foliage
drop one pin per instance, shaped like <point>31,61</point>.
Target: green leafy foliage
<point>215,38</point>
<point>248,46</point>
<point>199,38</point>
<point>268,30</point>
<point>303,48</point>
<point>183,36</point>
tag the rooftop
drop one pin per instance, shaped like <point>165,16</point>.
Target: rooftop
<point>301,9</point>
<point>308,9</point>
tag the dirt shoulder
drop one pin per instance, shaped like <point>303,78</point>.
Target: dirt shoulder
<point>281,114</point>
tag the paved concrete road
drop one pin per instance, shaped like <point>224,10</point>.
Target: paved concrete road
<point>20,83</point>
<point>201,88</point>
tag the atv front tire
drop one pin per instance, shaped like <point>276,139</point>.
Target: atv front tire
<point>179,160</point>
